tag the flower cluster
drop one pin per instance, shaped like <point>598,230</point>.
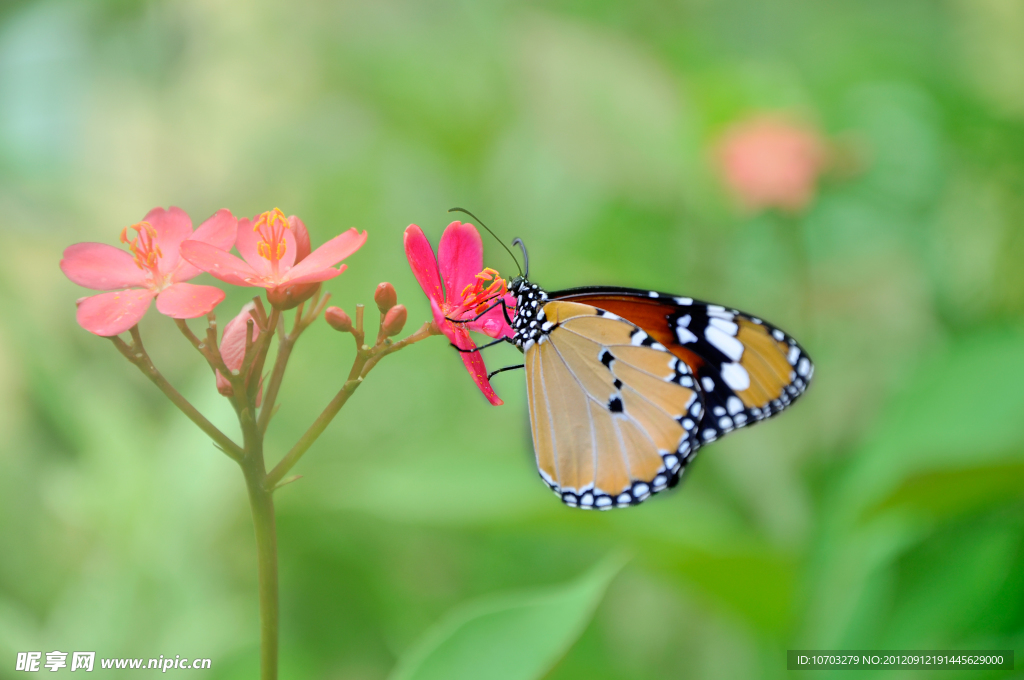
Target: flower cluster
<point>274,253</point>
<point>164,253</point>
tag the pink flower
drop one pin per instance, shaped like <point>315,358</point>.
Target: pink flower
<point>232,346</point>
<point>769,162</point>
<point>465,292</point>
<point>269,251</point>
<point>152,268</point>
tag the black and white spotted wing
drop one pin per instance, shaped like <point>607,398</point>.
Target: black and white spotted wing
<point>747,369</point>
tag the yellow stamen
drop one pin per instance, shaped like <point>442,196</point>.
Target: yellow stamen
<point>143,247</point>
<point>487,287</point>
<point>271,227</point>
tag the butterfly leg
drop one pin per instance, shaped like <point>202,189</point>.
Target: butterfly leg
<point>504,310</point>
<point>502,370</point>
<point>477,349</point>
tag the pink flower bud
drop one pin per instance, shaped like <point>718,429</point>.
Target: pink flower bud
<point>394,320</point>
<point>291,296</point>
<point>385,297</point>
<point>338,319</point>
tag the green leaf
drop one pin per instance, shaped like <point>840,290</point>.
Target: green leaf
<point>946,493</point>
<point>516,636</point>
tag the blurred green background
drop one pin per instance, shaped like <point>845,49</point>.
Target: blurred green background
<point>886,510</point>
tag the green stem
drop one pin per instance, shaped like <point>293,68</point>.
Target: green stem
<point>261,500</point>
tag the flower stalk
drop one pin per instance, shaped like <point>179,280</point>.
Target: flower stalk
<point>276,255</point>
<point>254,421</point>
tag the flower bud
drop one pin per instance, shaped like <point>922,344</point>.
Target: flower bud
<point>394,320</point>
<point>291,296</point>
<point>385,297</point>
<point>338,319</point>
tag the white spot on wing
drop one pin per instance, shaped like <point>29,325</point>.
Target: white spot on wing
<point>794,354</point>
<point>733,404</point>
<point>804,367</point>
<point>727,326</point>
<point>719,312</point>
<point>684,301</point>
<point>708,383</point>
<point>726,344</point>
<point>736,377</point>
<point>685,336</point>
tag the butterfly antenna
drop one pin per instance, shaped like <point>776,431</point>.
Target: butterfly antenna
<point>507,249</point>
<point>526,258</point>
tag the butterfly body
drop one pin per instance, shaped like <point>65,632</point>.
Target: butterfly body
<point>625,385</point>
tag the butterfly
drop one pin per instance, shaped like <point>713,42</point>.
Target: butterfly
<point>625,385</point>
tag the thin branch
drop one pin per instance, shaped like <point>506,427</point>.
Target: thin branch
<point>136,353</point>
<point>284,352</point>
<point>254,368</point>
<point>366,359</point>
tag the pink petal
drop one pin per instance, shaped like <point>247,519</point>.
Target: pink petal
<point>219,231</point>
<point>302,246</point>
<point>475,365</point>
<point>449,328</point>
<point>247,240</point>
<point>493,322</point>
<point>232,345</point>
<point>172,227</point>
<point>187,300</point>
<point>318,275</point>
<point>109,314</point>
<point>459,336</point>
<point>101,267</point>
<point>221,264</point>
<point>326,256</point>
<point>423,263</point>
<point>460,257</point>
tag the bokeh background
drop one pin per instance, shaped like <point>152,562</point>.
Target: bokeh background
<point>853,172</point>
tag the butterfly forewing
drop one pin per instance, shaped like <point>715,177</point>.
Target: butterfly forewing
<point>747,369</point>
<point>614,414</point>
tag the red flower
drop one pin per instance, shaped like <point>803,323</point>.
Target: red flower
<point>153,269</point>
<point>268,247</point>
<point>465,292</point>
<point>769,162</point>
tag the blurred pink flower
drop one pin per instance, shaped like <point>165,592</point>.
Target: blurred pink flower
<point>269,250</point>
<point>770,162</point>
<point>152,268</point>
<point>467,290</point>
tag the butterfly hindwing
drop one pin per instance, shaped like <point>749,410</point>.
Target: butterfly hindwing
<point>614,414</point>
<point>747,369</point>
